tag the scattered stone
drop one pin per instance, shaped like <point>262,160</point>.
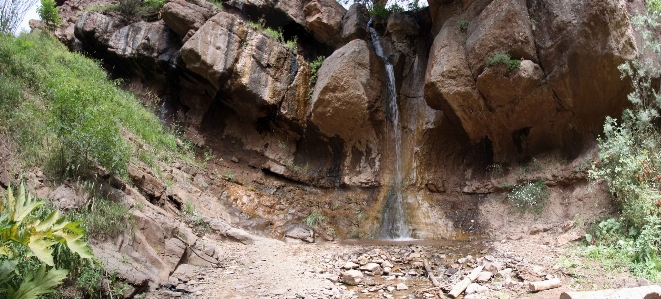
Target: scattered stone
<point>387,270</point>
<point>350,265</point>
<point>402,287</point>
<point>386,264</point>
<point>235,159</point>
<point>507,272</point>
<point>472,288</point>
<point>372,267</point>
<point>352,277</point>
<point>494,267</point>
<point>484,276</point>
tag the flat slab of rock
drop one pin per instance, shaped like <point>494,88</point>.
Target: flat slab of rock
<point>646,292</point>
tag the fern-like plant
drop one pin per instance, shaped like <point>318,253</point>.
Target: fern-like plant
<point>19,232</point>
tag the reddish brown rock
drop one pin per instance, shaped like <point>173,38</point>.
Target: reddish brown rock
<point>581,44</point>
<point>183,16</point>
<point>345,98</point>
<point>501,86</point>
<point>324,19</point>
<point>449,85</point>
<point>354,23</point>
<point>503,26</point>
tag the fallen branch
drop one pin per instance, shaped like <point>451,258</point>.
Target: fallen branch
<point>430,274</point>
<point>462,285</point>
<point>537,286</point>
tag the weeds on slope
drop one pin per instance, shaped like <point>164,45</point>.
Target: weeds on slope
<point>62,110</point>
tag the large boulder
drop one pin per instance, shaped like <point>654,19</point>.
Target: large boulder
<point>146,46</point>
<point>449,85</point>
<point>501,86</point>
<point>255,69</point>
<point>345,103</point>
<point>354,23</point>
<point>503,26</point>
<point>346,91</point>
<point>580,45</point>
<point>185,17</point>
<point>566,83</point>
<point>324,19</point>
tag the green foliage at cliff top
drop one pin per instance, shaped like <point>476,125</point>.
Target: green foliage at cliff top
<point>60,109</point>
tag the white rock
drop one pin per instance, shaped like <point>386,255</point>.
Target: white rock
<point>484,276</point>
<point>472,288</point>
<point>386,264</point>
<point>507,272</point>
<point>402,287</point>
<point>387,270</point>
<point>349,265</point>
<point>352,277</point>
<point>372,267</point>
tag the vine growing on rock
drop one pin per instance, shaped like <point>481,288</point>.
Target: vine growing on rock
<point>630,160</point>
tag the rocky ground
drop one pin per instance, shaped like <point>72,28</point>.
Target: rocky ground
<point>384,269</point>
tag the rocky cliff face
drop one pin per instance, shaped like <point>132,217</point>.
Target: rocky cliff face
<point>250,98</point>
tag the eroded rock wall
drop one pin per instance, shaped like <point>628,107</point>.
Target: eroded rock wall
<point>306,147</point>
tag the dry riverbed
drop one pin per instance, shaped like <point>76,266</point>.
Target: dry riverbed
<point>377,269</point>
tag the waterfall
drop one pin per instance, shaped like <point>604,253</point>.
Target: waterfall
<point>393,222</point>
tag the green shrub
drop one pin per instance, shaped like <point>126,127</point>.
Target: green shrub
<point>654,5</point>
<point>49,14</point>
<point>462,25</point>
<point>503,58</point>
<point>314,69</point>
<point>529,196</point>
<point>630,159</point>
<point>314,218</point>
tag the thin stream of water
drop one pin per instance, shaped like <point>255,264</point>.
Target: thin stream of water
<point>393,223</point>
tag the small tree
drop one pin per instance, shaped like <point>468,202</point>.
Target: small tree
<point>49,14</point>
<point>12,13</point>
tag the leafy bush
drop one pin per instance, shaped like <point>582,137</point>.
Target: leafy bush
<point>505,59</point>
<point>529,196</point>
<point>27,243</point>
<point>49,14</point>
<point>630,159</point>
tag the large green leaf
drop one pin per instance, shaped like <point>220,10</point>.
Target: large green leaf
<point>75,243</point>
<point>41,283</point>
<point>24,204</point>
<point>47,223</point>
<point>41,248</point>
